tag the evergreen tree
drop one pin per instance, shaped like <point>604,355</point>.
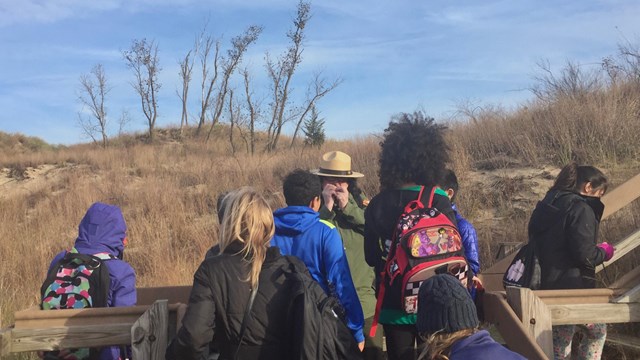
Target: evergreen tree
<point>314,129</point>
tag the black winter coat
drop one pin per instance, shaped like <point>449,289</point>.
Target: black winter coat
<point>218,301</point>
<point>564,229</point>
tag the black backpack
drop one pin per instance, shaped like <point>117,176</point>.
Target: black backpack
<point>316,328</point>
<point>76,281</point>
<point>524,270</point>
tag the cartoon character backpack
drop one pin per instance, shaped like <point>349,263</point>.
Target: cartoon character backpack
<point>425,243</point>
<point>76,281</point>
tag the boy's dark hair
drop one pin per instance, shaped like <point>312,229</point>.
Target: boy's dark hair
<point>300,187</point>
<point>450,181</point>
<point>413,150</point>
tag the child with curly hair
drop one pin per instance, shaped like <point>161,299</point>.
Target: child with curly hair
<point>414,154</point>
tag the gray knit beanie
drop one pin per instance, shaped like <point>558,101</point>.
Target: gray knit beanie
<point>445,305</point>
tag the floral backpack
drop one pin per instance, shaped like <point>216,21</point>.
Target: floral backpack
<point>76,281</point>
<point>425,243</point>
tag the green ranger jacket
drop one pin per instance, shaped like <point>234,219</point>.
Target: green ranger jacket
<point>350,224</point>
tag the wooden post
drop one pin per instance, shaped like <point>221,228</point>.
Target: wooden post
<point>498,312</point>
<point>149,333</point>
<point>535,316</point>
<point>5,342</point>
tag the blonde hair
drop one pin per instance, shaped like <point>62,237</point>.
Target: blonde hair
<point>438,345</point>
<point>249,220</point>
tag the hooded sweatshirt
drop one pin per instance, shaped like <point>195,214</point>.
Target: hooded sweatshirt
<point>564,229</point>
<point>301,233</point>
<point>102,230</point>
<point>481,346</point>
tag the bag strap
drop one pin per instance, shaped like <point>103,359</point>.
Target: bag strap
<point>247,314</point>
<point>379,300</point>
<point>431,196</point>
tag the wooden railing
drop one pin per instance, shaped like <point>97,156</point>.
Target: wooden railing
<point>524,317</point>
<point>146,328</point>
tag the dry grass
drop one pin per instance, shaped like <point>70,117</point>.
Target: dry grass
<point>168,190</point>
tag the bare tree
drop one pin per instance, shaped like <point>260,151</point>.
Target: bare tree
<point>239,46</point>
<point>316,91</point>
<point>233,114</point>
<point>238,122</point>
<point>186,68</point>
<point>572,82</point>
<point>123,121</point>
<point>253,110</point>
<point>625,66</point>
<point>281,72</point>
<point>208,79</point>
<point>142,58</point>
<point>93,92</point>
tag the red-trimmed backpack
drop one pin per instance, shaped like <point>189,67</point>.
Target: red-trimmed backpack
<point>425,243</point>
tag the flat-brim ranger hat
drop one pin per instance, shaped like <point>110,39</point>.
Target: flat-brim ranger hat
<point>336,164</point>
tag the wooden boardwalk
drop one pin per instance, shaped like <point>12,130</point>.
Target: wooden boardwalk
<point>523,317</point>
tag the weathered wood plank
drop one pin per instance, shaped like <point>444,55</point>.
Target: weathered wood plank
<point>627,280</point>
<point>498,312</point>
<point>174,294</point>
<point>535,316</point>
<point>54,338</point>
<point>36,318</point>
<point>623,248</point>
<point>633,295</point>
<point>149,333</point>
<point>594,313</point>
<point>621,196</point>
<point>5,342</point>
<point>575,296</point>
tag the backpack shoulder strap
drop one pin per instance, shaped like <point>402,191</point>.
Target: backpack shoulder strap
<point>432,194</point>
<point>245,318</point>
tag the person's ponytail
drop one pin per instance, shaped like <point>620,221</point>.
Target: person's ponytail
<point>573,177</point>
<point>567,178</point>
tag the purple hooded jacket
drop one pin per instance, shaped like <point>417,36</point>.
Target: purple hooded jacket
<point>103,230</point>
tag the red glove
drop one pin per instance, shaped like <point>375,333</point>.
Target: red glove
<point>608,250</point>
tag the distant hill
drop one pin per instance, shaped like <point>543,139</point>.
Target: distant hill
<point>19,143</point>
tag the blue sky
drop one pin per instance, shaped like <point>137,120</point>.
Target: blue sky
<point>393,56</point>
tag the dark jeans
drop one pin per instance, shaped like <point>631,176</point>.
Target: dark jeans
<point>401,342</point>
